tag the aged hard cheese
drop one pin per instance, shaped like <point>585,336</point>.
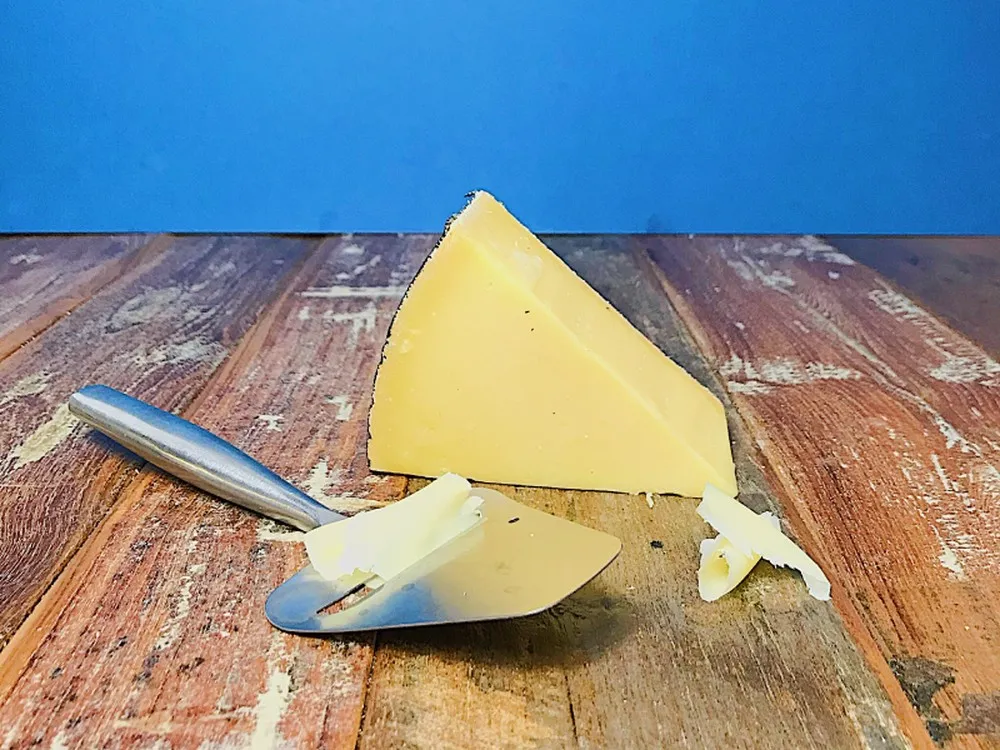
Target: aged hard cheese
<point>386,541</point>
<point>724,565</point>
<point>744,538</point>
<point>504,366</point>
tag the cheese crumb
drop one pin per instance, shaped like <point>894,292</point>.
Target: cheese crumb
<point>744,538</point>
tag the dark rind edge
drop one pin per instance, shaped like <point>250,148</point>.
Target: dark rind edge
<point>392,323</point>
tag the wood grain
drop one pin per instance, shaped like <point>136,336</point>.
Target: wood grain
<point>156,635</point>
<point>636,659</point>
<point>958,278</point>
<point>158,332</point>
<point>880,426</point>
<point>44,278</point>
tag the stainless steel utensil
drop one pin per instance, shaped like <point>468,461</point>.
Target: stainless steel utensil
<point>517,561</point>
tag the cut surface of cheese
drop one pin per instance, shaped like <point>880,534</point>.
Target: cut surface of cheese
<point>744,538</point>
<point>385,541</point>
<point>504,366</point>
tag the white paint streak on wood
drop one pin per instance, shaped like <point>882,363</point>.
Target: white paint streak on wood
<point>30,385</point>
<point>224,268</point>
<point>352,249</point>
<point>273,701</point>
<point>321,477</point>
<point>758,377</point>
<point>883,374</point>
<point>28,259</point>
<point>362,321</point>
<point>342,292</point>
<point>950,562</point>
<point>304,313</point>
<point>150,304</point>
<point>272,531</point>
<point>366,266</point>
<point>160,726</point>
<point>171,628</point>
<point>344,407</point>
<point>942,477</point>
<point>271,421</point>
<point>989,478</point>
<point>952,437</point>
<point>45,438</point>
<point>8,740</point>
<point>322,485</point>
<point>750,271</point>
<point>961,360</point>
<point>750,388</point>
<point>817,250</point>
<point>930,484</point>
<point>197,349</point>
<point>754,263</point>
<point>59,741</point>
<point>807,247</point>
<point>980,370</point>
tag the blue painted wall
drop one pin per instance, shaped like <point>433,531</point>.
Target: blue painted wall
<point>319,115</point>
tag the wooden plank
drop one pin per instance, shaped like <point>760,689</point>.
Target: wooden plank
<point>156,635</point>
<point>44,278</point>
<point>880,426</point>
<point>636,659</point>
<point>958,278</point>
<point>159,332</point>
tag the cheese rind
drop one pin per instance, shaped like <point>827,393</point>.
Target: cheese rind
<point>386,541</point>
<point>504,366</point>
<point>751,536</point>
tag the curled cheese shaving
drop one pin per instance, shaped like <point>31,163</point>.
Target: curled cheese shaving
<point>744,538</point>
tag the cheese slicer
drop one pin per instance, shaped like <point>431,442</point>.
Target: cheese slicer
<point>516,561</point>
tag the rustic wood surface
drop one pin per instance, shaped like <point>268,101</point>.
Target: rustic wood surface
<point>956,277</point>
<point>880,427</point>
<point>44,278</point>
<point>133,604</point>
<point>157,332</point>
<point>156,632</point>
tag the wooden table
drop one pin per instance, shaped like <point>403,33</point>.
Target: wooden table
<point>131,606</point>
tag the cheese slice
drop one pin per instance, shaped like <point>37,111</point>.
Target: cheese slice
<point>504,366</point>
<point>744,538</point>
<point>386,541</point>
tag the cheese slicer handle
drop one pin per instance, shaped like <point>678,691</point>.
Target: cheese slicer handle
<point>195,455</point>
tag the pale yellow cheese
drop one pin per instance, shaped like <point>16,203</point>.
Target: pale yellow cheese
<point>386,541</point>
<point>723,565</point>
<point>504,366</point>
<point>744,538</point>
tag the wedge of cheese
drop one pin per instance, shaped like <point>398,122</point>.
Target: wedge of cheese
<point>503,365</point>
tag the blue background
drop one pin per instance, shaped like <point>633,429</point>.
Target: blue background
<point>329,115</point>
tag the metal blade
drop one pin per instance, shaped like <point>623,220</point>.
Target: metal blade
<point>517,561</point>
